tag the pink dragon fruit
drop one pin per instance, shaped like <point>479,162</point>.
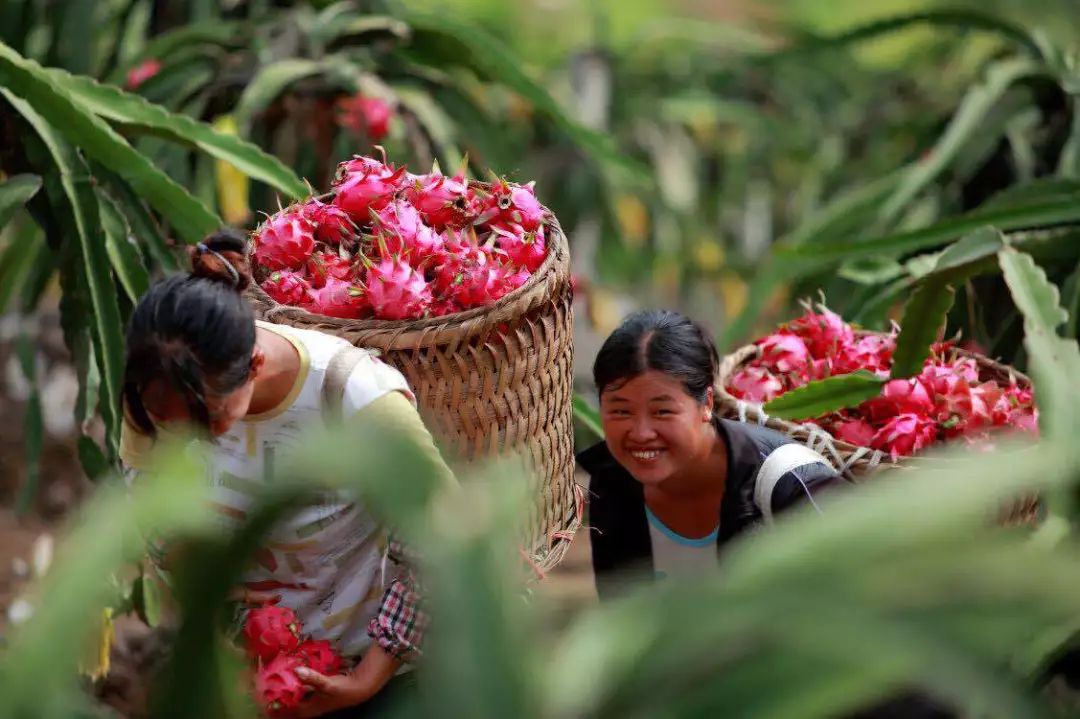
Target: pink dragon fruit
<point>372,188</point>
<point>513,204</point>
<point>364,164</point>
<point>443,201</point>
<point>524,248</point>
<point>270,630</point>
<point>285,240</point>
<point>333,226</point>
<point>338,298</point>
<point>324,265</point>
<point>287,287</point>
<point>404,232</point>
<point>454,258</point>
<point>277,688</point>
<point>481,286</point>
<point>320,656</point>
<point>396,291</point>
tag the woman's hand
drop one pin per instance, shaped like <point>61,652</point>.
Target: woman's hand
<point>345,690</point>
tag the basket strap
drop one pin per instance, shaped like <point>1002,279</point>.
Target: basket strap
<point>780,461</point>
<point>338,369</point>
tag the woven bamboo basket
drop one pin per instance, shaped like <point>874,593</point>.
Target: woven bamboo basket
<point>854,462</point>
<point>490,382</point>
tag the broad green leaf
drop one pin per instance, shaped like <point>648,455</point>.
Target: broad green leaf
<point>1055,364</point>
<point>93,136</point>
<point>106,327</point>
<point>123,254</point>
<point>809,259</point>
<point>924,316</point>
<point>972,248</point>
<point>269,82</point>
<point>14,193</point>
<point>142,223</point>
<point>133,111</point>
<point>487,55</point>
<point>967,121</point>
<point>825,396</point>
<point>587,415</point>
<point>1036,297</point>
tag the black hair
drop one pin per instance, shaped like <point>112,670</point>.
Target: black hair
<point>193,331</point>
<point>661,340</point>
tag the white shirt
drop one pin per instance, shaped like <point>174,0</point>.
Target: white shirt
<point>675,555</point>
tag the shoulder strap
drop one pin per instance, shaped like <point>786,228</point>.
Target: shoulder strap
<point>338,369</point>
<point>780,461</point>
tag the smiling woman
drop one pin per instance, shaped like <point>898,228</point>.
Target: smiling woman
<point>671,482</point>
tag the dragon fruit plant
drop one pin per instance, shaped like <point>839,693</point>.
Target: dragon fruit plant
<point>397,246</point>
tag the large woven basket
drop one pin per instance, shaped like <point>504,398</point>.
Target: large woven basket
<point>490,382</point>
<point>853,461</point>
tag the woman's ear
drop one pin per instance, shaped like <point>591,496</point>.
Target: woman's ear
<point>709,405</point>
<point>258,361</point>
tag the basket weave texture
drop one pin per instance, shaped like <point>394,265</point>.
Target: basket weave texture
<point>490,382</point>
<point>854,462</point>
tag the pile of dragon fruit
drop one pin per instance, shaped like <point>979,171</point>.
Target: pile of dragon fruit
<point>393,245</point>
<point>274,642</point>
<point>947,400</point>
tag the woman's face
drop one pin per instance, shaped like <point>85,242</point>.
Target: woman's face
<point>654,428</point>
<point>166,406</point>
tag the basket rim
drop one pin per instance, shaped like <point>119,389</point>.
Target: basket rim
<point>541,287</point>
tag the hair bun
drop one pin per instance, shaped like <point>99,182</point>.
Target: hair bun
<point>222,257</point>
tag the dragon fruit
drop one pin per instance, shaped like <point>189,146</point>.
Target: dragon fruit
<point>324,265</point>
<point>513,204</point>
<point>285,240</point>
<point>404,232</point>
<point>338,298</point>
<point>524,248</point>
<point>456,256</point>
<point>333,225</point>
<point>443,201</point>
<point>482,286</point>
<point>287,287</point>
<point>396,291</point>
<point>320,656</point>
<point>371,188</point>
<point>277,688</point>
<point>270,630</point>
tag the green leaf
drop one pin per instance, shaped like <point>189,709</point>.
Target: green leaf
<point>331,30</point>
<point>809,259</point>
<point>825,396</point>
<point>968,121</point>
<point>74,43</point>
<point>134,111</point>
<point>1055,364</point>
<point>475,48</point>
<point>269,82</point>
<point>14,193</point>
<point>136,29</point>
<point>106,327</point>
<point>28,80</point>
<point>587,415</point>
<point>973,248</point>
<point>1036,297</point>
<point>924,316</point>
<point>123,254</point>
<point>147,600</point>
<point>140,220</point>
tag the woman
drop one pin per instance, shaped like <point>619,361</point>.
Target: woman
<point>196,356</point>
<point>672,483</point>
